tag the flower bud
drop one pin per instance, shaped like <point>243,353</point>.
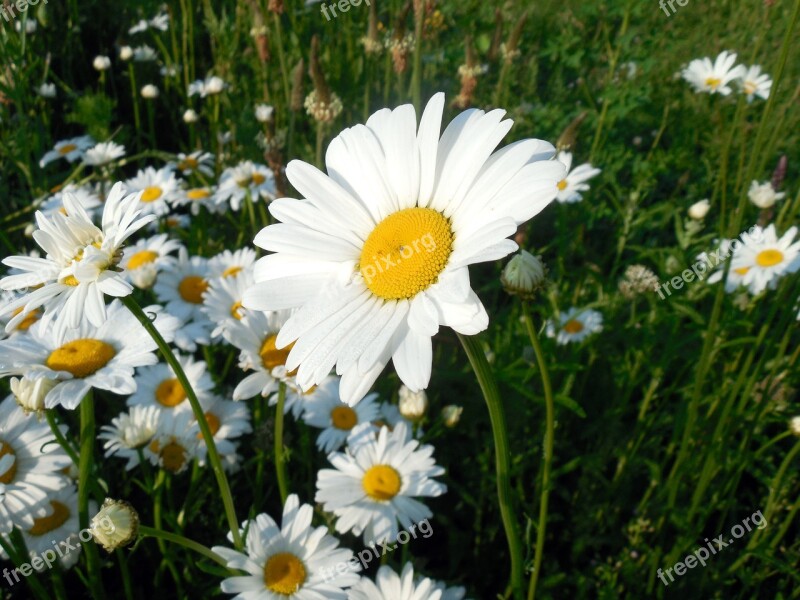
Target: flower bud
<point>698,210</point>
<point>451,414</point>
<point>126,53</point>
<point>523,275</point>
<point>149,91</point>
<point>264,113</point>
<point>101,63</point>
<point>30,393</point>
<point>763,195</point>
<point>115,525</point>
<point>413,405</point>
<point>794,425</point>
<point>190,116</point>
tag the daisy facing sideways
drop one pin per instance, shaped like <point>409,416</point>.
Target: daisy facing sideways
<point>290,561</point>
<point>755,83</point>
<point>373,487</point>
<point>375,256</point>
<point>570,188</point>
<point>575,325</point>
<point>243,179</point>
<point>81,264</point>
<point>71,150</point>
<point>130,432</point>
<point>716,77</point>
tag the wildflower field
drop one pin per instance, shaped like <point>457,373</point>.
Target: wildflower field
<point>399,299</point>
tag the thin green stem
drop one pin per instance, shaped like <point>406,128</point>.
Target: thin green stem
<point>280,464</point>
<point>174,538</point>
<point>85,464</point>
<point>211,447</point>
<point>502,459</point>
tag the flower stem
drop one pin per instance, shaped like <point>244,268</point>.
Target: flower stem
<point>158,534</point>
<point>85,463</point>
<point>502,460</point>
<point>280,465</point>
<point>213,455</point>
<point>547,460</point>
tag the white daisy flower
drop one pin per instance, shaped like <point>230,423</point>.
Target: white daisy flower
<point>103,153</point>
<point>181,286</point>
<point>197,197</point>
<point>372,487</point>
<point>175,443</point>
<point>735,276</point>
<point>762,259</point>
<point>30,466</point>
<point>149,91</point>
<point>208,87</point>
<point>755,83</point>
<point>86,357</point>
<point>450,593</point>
<point>293,561</point>
<point>71,149</point>
<point>227,421</point>
<point>158,187</point>
<point>575,325</point>
<point>223,300</point>
<point>140,27</point>
<point>147,257</point>
<point>571,186</point>
<point>81,262</point>
<point>246,177</point>
<point>190,116</point>
<point>264,113</point>
<point>60,524</point>
<point>714,78</point>
<point>325,410</point>
<point>376,257</point>
<point>130,432</point>
<point>230,264</point>
<point>197,161</point>
<point>47,90</point>
<point>391,586</point>
<point>144,53</point>
<point>763,195</point>
<point>21,326</point>
<point>157,385</point>
<point>101,63</point>
<point>160,22</point>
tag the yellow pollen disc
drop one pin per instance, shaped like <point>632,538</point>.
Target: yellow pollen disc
<point>236,310</point>
<point>66,149</point>
<point>713,82</point>
<point>406,253</point>
<point>271,356</point>
<point>231,271</point>
<point>29,319</point>
<point>47,524</point>
<point>213,424</point>
<point>192,288</point>
<point>8,476</point>
<point>284,573</point>
<point>154,446</point>
<point>741,270</point>
<point>769,258</point>
<point>142,257</point>
<point>562,185</point>
<point>173,457</point>
<point>188,163</point>
<point>81,357</point>
<point>573,326</point>
<point>344,418</point>
<point>170,393</point>
<point>198,194</point>
<point>749,88</point>
<point>258,179</point>
<point>381,482</point>
<point>70,280</point>
<point>151,194</point>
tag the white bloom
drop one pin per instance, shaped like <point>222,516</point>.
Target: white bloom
<point>147,257</point>
<point>149,91</point>
<point>245,178</point>
<point>101,63</point>
<point>574,182</point>
<point>197,197</point>
<point>103,153</point>
<point>227,421</point>
<point>231,264</point>
<point>158,188</point>
<point>575,325</point>
<point>175,443</point>
<point>412,405</point>
<point>264,113</point>
<point>144,53</point>
<point>714,78</point>
<point>126,53</point>
<point>140,27</point>
<point>223,300</point>
<point>47,90</point>
<point>30,393</point>
<point>762,259</point>
<point>190,116</point>
<point>181,286</point>
<point>755,83</point>
<point>391,586</point>
<point>325,410</point>
<point>130,432</point>
<point>763,195</point>
<point>71,149</point>
<point>699,210</point>
<point>84,195</point>
<point>157,385</point>
<point>208,87</point>
<point>197,161</point>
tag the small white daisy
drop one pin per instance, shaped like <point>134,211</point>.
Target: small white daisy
<point>716,77</point>
<point>47,90</point>
<point>575,325</point>
<point>391,586</point>
<point>130,432</point>
<point>223,300</point>
<point>325,410</point>
<point>103,153</point>
<point>208,87</point>
<point>229,264</point>
<point>196,197</point>
<point>71,149</point>
<point>84,195</point>
<point>176,442</point>
<point>198,161</point>
<point>570,188</point>
<point>181,286</point>
<point>246,177</point>
<point>144,53</point>
<point>763,195</point>
<point>158,188</point>
<point>762,259</point>
<point>293,561</point>
<point>156,385</point>
<point>147,257</point>
<point>755,83</point>
<point>374,488</point>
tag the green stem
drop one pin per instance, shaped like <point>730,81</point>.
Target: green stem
<point>502,460</point>
<point>547,459</point>
<point>416,74</point>
<point>280,464</point>
<point>85,463</point>
<point>158,534</point>
<point>19,559</point>
<point>213,455</point>
<point>62,441</point>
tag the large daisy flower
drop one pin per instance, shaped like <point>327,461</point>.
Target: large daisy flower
<point>575,325</point>
<point>245,178</point>
<point>570,188</point>
<point>762,258</point>
<point>293,561</point>
<point>157,385</point>
<point>391,586</point>
<point>158,188</point>
<point>85,357</point>
<point>716,77</point>
<point>81,264</point>
<point>71,150</point>
<point>375,257</point>
<point>373,487</point>
<point>30,466</point>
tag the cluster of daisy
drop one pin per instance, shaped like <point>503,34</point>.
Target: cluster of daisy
<point>719,76</point>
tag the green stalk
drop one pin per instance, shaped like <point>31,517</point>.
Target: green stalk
<point>85,463</point>
<point>9,548</point>
<point>547,459</point>
<point>158,534</point>
<point>502,459</point>
<point>213,455</point>
<point>416,73</point>
<point>280,465</point>
<point>276,20</point>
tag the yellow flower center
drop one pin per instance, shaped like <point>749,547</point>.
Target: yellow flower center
<point>170,393</point>
<point>8,476</point>
<point>142,257</point>
<point>198,194</point>
<point>51,523</point>
<point>173,455</point>
<point>213,424</point>
<point>258,179</point>
<point>151,193</point>
<point>381,482</point>
<point>66,149</point>
<point>284,573</point>
<point>769,258</point>
<point>713,82</point>
<point>188,163</point>
<point>344,418</point>
<point>573,326</point>
<point>231,271</point>
<point>236,310</point>
<point>29,319</point>
<point>749,87</point>
<point>81,357</point>
<point>70,280</point>
<point>271,356</point>
<point>192,288</point>
<point>741,270</point>
<point>406,253</point>
<point>562,185</point>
